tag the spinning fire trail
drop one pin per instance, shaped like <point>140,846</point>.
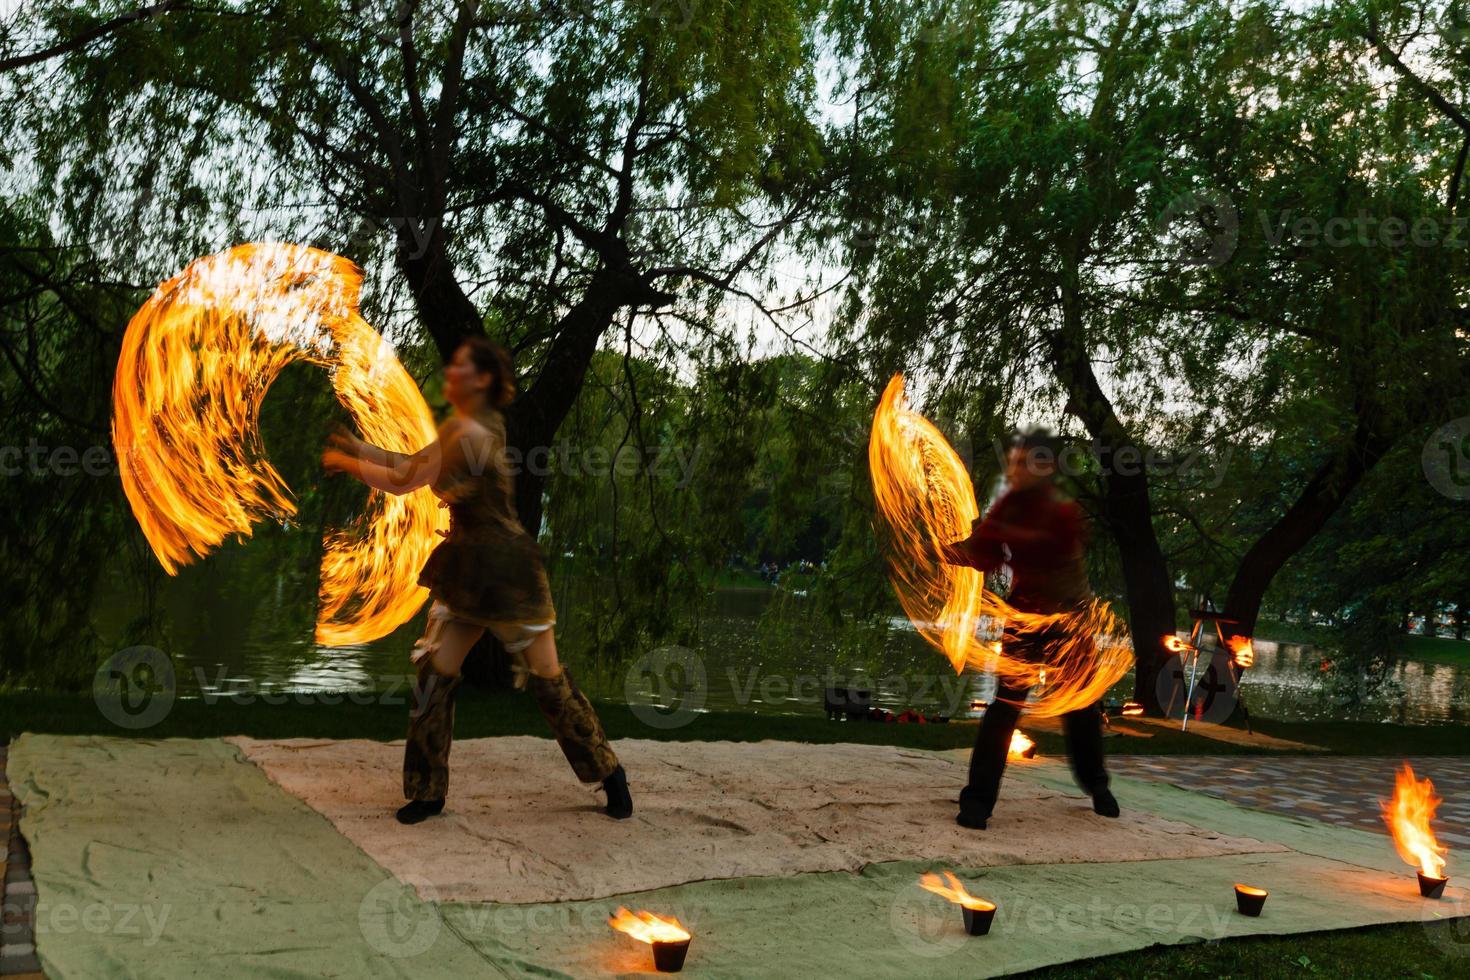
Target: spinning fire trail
<point>927,501</point>
<point>196,362</point>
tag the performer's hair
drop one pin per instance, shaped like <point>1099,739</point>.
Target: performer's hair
<point>493,358</point>
<point>1040,444</point>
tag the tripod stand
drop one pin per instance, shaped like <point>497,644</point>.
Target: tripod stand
<point>1242,655</point>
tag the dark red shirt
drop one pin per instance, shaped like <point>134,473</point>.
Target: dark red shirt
<point>1042,536</point>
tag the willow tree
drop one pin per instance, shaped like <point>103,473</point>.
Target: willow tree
<point>1349,286</point>
<point>1074,197</point>
<point>544,169</point>
<point>564,177</point>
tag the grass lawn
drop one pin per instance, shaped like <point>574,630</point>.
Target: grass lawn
<point>384,716</point>
<point>1427,649</point>
<point>1436,649</point>
<point>1429,951</point>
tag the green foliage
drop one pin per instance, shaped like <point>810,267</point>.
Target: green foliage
<point>1000,186</point>
<point>1041,177</point>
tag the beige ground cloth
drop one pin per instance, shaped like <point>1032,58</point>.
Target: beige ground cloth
<point>519,828</point>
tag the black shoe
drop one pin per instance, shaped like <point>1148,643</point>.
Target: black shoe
<point>1104,804</point>
<point>619,801</point>
<point>970,820</point>
<point>415,810</point>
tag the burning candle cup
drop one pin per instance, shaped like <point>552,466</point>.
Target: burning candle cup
<point>978,920</point>
<point>668,957</point>
<point>978,913</point>
<point>1249,900</point>
<point>1431,887</point>
<point>669,939</point>
<point>1408,815</point>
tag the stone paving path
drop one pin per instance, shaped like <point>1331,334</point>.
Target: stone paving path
<point>1341,790</point>
<point>17,936</point>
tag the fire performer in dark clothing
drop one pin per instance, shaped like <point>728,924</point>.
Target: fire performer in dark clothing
<point>1042,536</point>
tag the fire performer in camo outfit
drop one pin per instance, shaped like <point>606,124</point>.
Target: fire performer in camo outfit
<point>488,573</point>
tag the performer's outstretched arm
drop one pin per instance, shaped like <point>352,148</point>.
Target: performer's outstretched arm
<point>362,449</point>
<point>398,474</point>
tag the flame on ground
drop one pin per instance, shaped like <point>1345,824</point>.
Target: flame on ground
<point>647,927</point>
<point>196,363</point>
<point>1020,744</point>
<point>1408,816</point>
<point>927,501</point>
<point>951,888</point>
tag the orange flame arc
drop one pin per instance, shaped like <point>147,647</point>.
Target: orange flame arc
<point>952,889</point>
<point>1408,816</point>
<point>647,927</point>
<point>196,362</point>
<point>923,491</point>
<point>926,500</point>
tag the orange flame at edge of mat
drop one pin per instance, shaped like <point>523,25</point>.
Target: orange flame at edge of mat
<point>1408,816</point>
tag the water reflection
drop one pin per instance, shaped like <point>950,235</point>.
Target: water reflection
<point>761,654</point>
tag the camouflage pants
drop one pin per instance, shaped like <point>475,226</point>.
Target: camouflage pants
<point>430,733</point>
<point>566,709</point>
<point>576,726</point>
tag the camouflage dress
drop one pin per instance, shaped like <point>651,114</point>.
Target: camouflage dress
<point>488,569</point>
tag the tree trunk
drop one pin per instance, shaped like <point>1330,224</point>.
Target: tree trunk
<point>1149,591</point>
<point>1126,508</point>
<point>445,310</point>
<point>1319,500</point>
<point>536,416</point>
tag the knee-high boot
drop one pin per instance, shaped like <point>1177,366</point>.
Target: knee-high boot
<point>430,733</point>
<point>576,726</point>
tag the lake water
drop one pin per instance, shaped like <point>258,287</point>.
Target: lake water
<point>760,652</point>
